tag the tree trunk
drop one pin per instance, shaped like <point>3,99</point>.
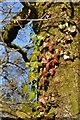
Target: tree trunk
<point>63,85</point>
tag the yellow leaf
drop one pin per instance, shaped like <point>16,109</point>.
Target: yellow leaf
<point>31,76</point>
<point>25,88</point>
<point>21,114</point>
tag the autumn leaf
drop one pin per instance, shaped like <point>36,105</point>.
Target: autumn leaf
<point>52,71</point>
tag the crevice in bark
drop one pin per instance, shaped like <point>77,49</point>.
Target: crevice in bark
<point>72,9</point>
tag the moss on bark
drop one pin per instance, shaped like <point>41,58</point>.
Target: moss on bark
<point>65,80</point>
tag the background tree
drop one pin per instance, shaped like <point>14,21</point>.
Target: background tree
<point>55,59</point>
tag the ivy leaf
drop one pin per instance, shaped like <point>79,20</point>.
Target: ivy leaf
<point>35,104</point>
<point>40,37</point>
<point>34,55</point>
<point>32,76</point>
<point>40,73</point>
<point>34,65</point>
<point>51,111</point>
<point>35,47</point>
<point>62,26</point>
<point>31,95</point>
<point>25,88</point>
<point>39,42</point>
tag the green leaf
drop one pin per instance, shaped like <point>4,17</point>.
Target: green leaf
<point>62,26</point>
<point>51,111</point>
<point>63,6</point>
<point>35,104</point>
<point>40,37</point>
<point>32,34</point>
<point>34,65</point>
<point>31,95</point>
<point>31,76</point>
<point>25,88</point>
<point>39,42</point>
<point>34,55</point>
<point>36,47</point>
<point>40,73</point>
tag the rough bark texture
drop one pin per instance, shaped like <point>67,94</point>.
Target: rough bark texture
<point>65,80</point>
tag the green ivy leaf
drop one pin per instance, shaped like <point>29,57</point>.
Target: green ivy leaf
<point>25,88</point>
<point>40,73</point>
<point>40,48</point>
<point>31,76</point>
<point>35,104</point>
<point>40,37</point>
<point>51,111</point>
<point>34,55</point>
<point>32,34</point>
<point>39,42</point>
<point>62,26</point>
<point>31,95</point>
<point>36,47</point>
<point>63,6</point>
<point>34,65</point>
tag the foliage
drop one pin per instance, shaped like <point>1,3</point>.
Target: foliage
<point>53,48</point>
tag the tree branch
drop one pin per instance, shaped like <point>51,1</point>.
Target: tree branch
<point>28,12</point>
<point>12,28</point>
<point>19,49</point>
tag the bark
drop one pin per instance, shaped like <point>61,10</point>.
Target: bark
<point>65,80</point>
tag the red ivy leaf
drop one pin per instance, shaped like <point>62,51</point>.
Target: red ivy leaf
<point>47,65</point>
<point>43,99</point>
<point>52,71</point>
<point>44,72</point>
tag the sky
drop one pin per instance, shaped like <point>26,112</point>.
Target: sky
<point>20,40</point>
<point>23,36</point>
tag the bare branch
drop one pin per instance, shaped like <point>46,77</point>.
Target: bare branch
<point>24,53</point>
<point>28,12</point>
